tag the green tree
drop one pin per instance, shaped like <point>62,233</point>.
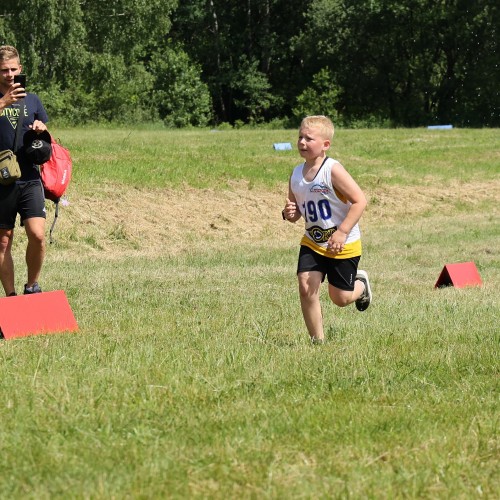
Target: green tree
<point>50,41</point>
<point>252,91</point>
<point>179,95</point>
<point>321,98</point>
<point>408,62</point>
<point>130,28</point>
<point>229,37</point>
<point>412,61</point>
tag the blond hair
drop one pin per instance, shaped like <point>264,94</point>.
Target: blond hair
<point>321,123</point>
<point>7,52</point>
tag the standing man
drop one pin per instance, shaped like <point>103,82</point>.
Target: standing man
<point>25,196</point>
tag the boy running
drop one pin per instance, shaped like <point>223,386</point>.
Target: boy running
<point>331,202</point>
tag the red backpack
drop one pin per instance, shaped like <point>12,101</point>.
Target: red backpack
<point>56,174</point>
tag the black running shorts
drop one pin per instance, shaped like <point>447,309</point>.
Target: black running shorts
<point>341,273</point>
<point>25,198</point>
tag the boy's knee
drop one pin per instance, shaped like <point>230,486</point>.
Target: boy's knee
<point>340,299</point>
<point>340,302</point>
<point>307,293</point>
<point>303,292</point>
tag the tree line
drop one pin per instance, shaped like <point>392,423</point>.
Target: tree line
<point>209,62</point>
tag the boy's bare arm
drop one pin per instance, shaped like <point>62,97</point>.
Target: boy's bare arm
<point>291,212</point>
<point>349,189</point>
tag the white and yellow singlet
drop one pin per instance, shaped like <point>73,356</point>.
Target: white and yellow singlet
<point>324,209</point>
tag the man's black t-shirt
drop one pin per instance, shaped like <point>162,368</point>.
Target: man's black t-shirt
<point>34,110</point>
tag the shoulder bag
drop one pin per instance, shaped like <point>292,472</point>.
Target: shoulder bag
<point>9,166</point>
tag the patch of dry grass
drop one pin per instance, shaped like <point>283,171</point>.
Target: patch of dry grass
<point>120,220</point>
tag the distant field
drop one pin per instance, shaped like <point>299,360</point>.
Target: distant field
<point>191,375</point>
<point>209,158</point>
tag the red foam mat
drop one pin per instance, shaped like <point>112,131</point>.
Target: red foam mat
<point>39,313</point>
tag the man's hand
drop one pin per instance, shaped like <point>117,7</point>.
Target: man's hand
<point>38,126</point>
<point>13,94</point>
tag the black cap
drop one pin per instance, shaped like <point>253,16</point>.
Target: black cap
<point>37,146</point>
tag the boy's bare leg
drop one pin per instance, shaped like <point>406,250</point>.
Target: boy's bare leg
<point>309,291</point>
<point>343,298</point>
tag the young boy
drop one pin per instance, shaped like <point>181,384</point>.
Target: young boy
<point>331,202</point>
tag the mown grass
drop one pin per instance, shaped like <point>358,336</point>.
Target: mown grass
<point>202,158</point>
<point>191,375</point>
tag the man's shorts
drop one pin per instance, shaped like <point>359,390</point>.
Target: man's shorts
<point>341,273</point>
<point>25,198</point>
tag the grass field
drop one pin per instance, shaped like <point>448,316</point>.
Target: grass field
<point>191,375</point>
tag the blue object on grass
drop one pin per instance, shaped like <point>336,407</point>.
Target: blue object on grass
<point>439,127</point>
<point>282,146</point>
